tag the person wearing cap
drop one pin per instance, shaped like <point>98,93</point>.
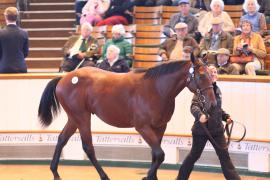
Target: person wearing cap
<point>183,16</point>
<point>173,48</point>
<point>118,39</point>
<point>223,62</point>
<point>214,40</point>
<point>14,46</point>
<point>249,42</point>
<point>217,7</point>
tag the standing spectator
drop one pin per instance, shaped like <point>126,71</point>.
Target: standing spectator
<point>113,62</point>
<point>80,50</point>
<point>13,44</point>
<point>173,48</point>
<point>251,7</point>
<point>223,64</point>
<point>248,43</point>
<point>265,9</point>
<point>214,40</point>
<point>217,7</point>
<point>183,16</point>
<point>118,39</point>
<point>199,137</point>
<point>79,4</point>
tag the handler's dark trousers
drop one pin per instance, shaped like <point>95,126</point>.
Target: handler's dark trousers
<point>198,144</point>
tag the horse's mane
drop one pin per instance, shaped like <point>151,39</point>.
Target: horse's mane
<point>163,69</point>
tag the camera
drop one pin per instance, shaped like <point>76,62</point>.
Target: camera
<point>245,50</point>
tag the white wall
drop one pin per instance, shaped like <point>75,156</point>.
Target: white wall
<point>247,102</point>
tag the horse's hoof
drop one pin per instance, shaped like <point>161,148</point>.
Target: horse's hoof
<point>57,178</point>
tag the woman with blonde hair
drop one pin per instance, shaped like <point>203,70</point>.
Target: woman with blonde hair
<point>217,7</point>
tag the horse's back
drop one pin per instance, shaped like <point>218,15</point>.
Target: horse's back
<point>106,94</point>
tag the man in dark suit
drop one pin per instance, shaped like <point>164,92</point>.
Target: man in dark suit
<point>13,44</point>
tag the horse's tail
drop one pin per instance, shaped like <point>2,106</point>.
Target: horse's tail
<point>49,105</point>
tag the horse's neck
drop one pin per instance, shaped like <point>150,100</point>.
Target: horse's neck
<point>169,86</point>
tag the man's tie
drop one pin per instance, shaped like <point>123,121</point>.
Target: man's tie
<point>83,46</point>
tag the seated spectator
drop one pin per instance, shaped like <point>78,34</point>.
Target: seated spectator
<point>118,39</point>
<point>217,7</point>
<point>94,10</point>
<point>183,16</point>
<point>249,43</point>
<point>80,50</point>
<point>113,62</point>
<point>173,48</point>
<point>119,12</point>
<point>223,64</point>
<point>251,7</point>
<point>214,40</point>
<point>265,9</point>
<point>79,4</point>
<point>13,44</point>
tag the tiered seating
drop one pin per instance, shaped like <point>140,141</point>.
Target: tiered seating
<point>49,23</point>
<point>235,12</point>
<point>147,41</point>
<point>147,15</point>
<point>48,31</point>
<point>99,32</point>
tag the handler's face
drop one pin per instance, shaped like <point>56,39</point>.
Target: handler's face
<point>213,73</point>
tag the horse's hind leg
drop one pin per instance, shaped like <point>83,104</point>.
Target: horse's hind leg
<point>64,136</point>
<point>153,137</point>
<point>87,144</point>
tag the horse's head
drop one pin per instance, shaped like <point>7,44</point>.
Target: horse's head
<point>200,82</point>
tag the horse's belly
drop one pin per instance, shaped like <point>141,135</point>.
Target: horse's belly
<point>116,121</point>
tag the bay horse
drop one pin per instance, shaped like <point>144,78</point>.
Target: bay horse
<point>144,100</point>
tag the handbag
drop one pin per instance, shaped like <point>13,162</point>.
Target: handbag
<point>241,59</point>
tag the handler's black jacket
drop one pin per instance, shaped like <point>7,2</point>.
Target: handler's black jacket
<point>216,115</point>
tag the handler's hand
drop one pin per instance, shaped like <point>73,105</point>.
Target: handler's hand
<point>164,57</point>
<point>203,118</point>
<point>229,121</point>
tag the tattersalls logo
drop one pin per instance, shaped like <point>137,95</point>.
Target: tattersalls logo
<point>127,140</point>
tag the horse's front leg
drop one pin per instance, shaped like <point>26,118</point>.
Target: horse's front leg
<point>88,148</point>
<point>63,138</point>
<point>153,137</point>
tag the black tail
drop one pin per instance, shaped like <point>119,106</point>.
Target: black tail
<point>49,105</point>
